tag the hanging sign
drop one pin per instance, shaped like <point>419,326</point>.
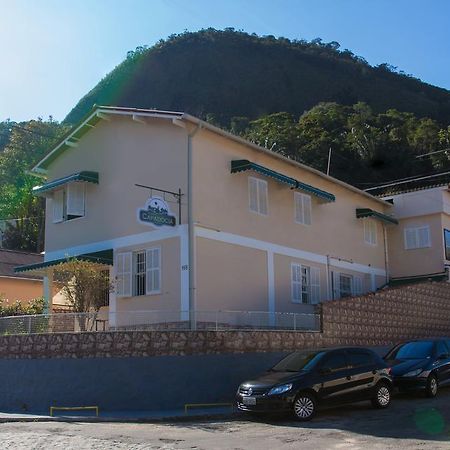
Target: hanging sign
<point>156,211</point>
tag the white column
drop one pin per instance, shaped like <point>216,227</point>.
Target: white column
<point>112,310</point>
<point>271,287</point>
<point>48,292</point>
<point>184,273</point>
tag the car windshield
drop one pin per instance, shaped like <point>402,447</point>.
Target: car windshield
<point>413,350</point>
<point>298,361</point>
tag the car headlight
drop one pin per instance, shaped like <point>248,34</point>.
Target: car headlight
<point>280,389</point>
<point>413,373</point>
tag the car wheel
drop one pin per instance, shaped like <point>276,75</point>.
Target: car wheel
<point>431,389</point>
<point>382,397</point>
<point>304,406</point>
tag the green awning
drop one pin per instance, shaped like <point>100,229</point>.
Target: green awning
<point>104,257</point>
<point>367,212</point>
<point>86,176</point>
<point>242,165</point>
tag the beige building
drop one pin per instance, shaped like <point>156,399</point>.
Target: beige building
<point>190,217</point>
<point>420,245</point>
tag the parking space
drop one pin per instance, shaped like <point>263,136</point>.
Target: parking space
<point>412,422</point>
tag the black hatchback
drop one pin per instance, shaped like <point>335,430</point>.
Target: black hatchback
<point>302,381</point>
<point>421,364</point>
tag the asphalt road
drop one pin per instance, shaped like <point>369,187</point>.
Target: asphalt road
<point>412,422</point>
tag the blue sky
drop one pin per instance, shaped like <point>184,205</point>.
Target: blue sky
<point>55,51</point>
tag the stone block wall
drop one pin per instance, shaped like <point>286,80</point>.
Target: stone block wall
<point>382,318</point>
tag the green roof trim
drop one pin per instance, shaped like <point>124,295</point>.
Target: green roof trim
<point>361,213</point>
<point>86,176</point>
<point>242,165</point>
<point>103,257</point>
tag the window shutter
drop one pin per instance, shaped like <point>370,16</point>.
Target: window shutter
<point>357,285</point>
<point>124,264</point>
<point>336,285</point>
<point>58,206</point>
<point>253,194</point>
<point>306,209</point>
<point>75,199</point>
<point>153,270</point>
<point>423,237</point>
<point>315,284</point>
<point>262,196</point>
<point>410,238</point>
<point>296,283</point>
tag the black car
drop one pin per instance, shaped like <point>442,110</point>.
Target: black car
<point>302,381</point>
<point>420,364</point>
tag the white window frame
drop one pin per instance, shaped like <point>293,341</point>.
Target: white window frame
<point>139,271</point>
<point>416,237</point>
<point>349,292</point>
<point>370,232</point>
<point>302,208</point>
<point>262,188</point>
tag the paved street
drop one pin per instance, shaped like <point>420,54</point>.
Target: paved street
<point>410,423</point>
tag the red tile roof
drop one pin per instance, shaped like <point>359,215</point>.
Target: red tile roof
<point>13,258</point>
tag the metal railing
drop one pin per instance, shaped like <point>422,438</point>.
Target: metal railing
<point>158,320</point>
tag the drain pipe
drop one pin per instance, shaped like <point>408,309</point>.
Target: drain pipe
<point>191,233</point>
<point>386,255</point>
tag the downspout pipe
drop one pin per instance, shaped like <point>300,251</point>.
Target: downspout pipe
<point>386,254</point>
<point>191,232</point>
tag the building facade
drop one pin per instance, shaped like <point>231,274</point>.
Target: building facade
<point>189,217</point>
<point>420,245</point>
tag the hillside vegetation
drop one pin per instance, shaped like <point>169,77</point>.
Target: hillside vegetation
<point>222,74</point>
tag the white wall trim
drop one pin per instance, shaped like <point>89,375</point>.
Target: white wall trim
<point>230,238</point>
<point>117,243</point>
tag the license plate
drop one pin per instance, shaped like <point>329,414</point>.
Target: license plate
<point>249,400</point>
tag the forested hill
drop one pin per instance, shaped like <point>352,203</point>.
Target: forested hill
<point>221,74</point>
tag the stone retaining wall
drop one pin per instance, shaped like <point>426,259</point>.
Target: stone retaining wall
<point>382,318</point>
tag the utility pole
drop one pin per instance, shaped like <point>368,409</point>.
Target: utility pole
<point>329,161</point>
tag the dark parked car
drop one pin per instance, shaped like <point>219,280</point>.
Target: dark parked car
<point>420,364</point>
<point>302,381</point>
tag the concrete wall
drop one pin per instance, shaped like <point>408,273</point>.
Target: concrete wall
<point>121,384</point>
<point>22,289</point>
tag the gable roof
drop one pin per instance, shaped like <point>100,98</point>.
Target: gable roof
<point>101,112</point>
<point>12,258</point>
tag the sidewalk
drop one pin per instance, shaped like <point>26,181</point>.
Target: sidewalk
<point>176,415</point>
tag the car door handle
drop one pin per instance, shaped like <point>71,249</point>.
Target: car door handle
<point>349,377</point>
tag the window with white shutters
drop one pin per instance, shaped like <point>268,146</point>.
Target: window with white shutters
<point>302,207</point>
<point>69,202</point>
<point>58,206</point>
<point>257,192</point>
<point>370,232</point>
<point>124,274</point>
<point>418,237</point>
<point>305,284</point>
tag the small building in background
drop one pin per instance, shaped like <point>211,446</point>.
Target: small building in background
<point>19,286</point>
<point>420,245</point>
